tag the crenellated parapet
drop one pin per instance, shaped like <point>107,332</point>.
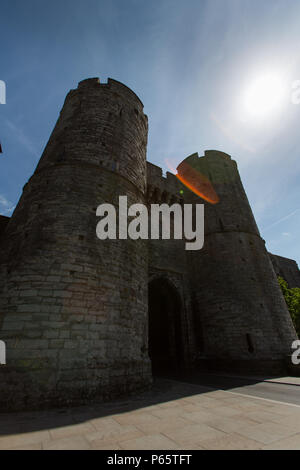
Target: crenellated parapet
<point>111,84</point>
<point>162,188</point>
<point>101,125</point>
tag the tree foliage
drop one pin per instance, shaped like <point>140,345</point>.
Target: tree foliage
<point>292,298</point>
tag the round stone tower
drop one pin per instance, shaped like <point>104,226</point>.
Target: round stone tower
<point>242,314</point>
<point>74,308</point>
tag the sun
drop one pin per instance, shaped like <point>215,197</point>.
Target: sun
<point>264,96</point>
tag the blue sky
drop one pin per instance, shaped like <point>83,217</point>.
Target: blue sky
<point>191,62</point>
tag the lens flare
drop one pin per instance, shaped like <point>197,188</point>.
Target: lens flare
<point>195,181</point>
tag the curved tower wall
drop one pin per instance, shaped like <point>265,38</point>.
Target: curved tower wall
<point>243,314</point>
<point>75,307</point>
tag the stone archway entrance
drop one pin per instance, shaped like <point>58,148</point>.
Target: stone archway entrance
<point>165,329</point>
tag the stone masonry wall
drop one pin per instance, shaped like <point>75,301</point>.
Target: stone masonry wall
<point>167,258</point>
<point>286,268</point>
<point>74,312</point>
<point>243,314</point>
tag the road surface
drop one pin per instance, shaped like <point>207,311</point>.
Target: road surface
<point>282,392</point>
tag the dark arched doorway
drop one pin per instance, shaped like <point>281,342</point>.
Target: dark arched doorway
<point>165,331</point>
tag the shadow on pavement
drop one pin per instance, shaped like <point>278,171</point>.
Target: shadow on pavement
<point>164,389</point>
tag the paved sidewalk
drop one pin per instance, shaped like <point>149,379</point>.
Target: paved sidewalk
<point>288,380</point>
<point>173,415</point>
<point>284,380</point>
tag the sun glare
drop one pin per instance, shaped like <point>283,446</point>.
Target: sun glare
<point>264,96</point>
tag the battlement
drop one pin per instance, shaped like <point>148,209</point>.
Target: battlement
<point>114,85</point>
<point>168,186</point>
<point>101,124</point>
<point>209,156</point>
<point>216,153</point>
<point>210,164</point>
